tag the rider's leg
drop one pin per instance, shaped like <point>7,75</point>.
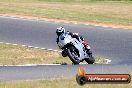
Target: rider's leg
<point>77,37</point>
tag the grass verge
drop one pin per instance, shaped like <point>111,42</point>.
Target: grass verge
<point>92,11</point>
<point>18,55</point>
<point>58,83</point>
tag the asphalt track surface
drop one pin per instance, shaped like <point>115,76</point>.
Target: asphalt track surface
<point>114,44</point>
<point>55,71</point>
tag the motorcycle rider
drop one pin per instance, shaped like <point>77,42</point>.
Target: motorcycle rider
<point>61,30</point>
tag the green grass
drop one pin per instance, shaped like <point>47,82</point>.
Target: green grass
<point>107,12</point>
<point>58,83</point>
<point>16,55</point>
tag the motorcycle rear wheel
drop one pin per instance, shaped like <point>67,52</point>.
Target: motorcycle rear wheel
<point>91,59</point>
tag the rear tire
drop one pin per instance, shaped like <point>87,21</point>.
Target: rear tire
<point>91,59</point>
<point>74,60</point>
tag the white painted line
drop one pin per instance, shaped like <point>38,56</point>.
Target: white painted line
<point>30,46</point>
<point>50,49</point>
<point>33,47</point>
<point>43,48</point>
<point>108,61</point>
<point>17,17</point>
<point>24,45</point>
<point>31,65</point>
<point>36,47</point>
<point>59,51</point>
<point>1,42</point>
<point>8,43</point>
<point>15,44</point>
<point>50,64</point>
<point>55,50</point>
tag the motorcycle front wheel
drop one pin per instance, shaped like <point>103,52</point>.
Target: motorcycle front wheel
<point>73,55</point>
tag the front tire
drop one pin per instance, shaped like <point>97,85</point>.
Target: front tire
<point>64,54</point>
<point>71,51</point>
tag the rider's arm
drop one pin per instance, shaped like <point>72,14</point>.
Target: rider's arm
<point>77,36</point>
<point>57,40</point>
<point>70,33</point>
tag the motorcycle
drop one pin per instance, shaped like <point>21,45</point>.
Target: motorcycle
<point>74,49</point>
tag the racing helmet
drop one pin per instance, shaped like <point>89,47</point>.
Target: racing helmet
<point>60,30</point>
